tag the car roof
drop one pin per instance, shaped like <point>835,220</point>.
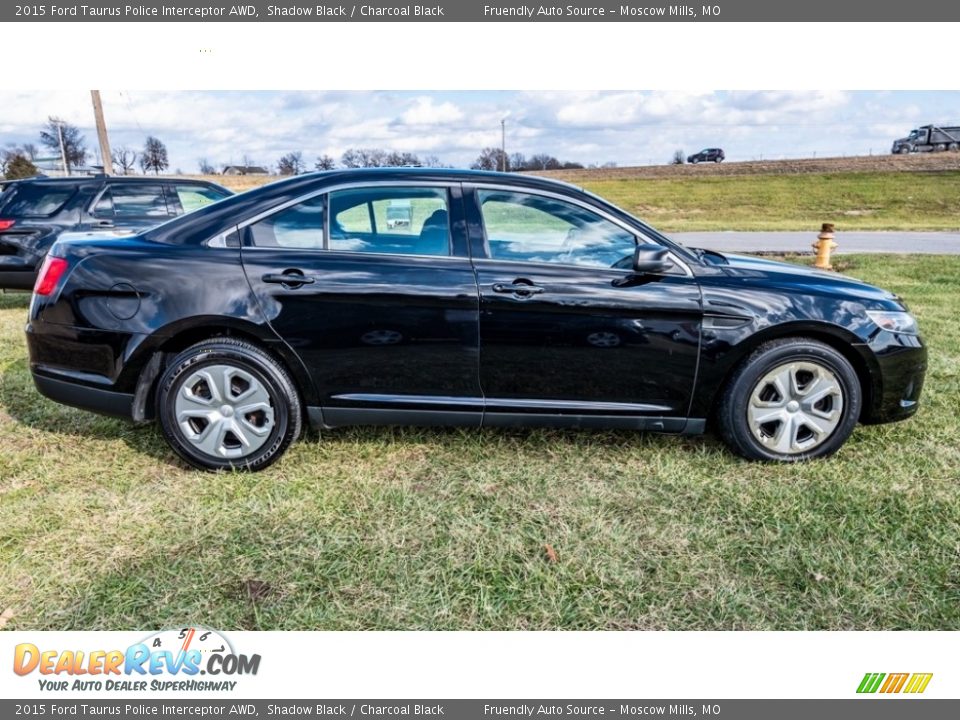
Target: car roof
<point>76,179</point>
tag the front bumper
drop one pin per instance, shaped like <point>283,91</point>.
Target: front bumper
<point>901,365</point>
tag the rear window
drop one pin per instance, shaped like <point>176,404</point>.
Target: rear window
<point>34,200</point>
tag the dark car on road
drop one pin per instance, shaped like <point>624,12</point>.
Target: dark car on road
<point>506,300</point>
<point>707,155</point>
<point>34,212</point>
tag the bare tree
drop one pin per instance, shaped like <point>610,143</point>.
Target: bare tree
<point>74,148</point>
<point>678,158</point>
<point>364,157</point>
<point>491,159</point>
<point>398,159</point>
<point>291,163</point>
<point>125,159</point>
<point>517,162</point>
<point>154,156</point>
<point>205,167</point>
<point>543,161</point>
<point>432,161</point>
<point>325,162</point>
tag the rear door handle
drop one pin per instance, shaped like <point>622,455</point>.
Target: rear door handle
<point>517,288</point>
<point>288,278</point>
<point>105,223</point>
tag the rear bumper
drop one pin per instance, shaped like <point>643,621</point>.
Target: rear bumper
<point>99,400</point>
<point>18,279</point>
<point>81,367</point>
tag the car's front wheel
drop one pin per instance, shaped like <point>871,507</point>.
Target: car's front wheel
<point>225,403</point>
<point>792,399</point>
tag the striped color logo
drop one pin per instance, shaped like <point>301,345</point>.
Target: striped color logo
<point>913,683</point>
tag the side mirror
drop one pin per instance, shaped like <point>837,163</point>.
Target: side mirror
<point>651,259</point>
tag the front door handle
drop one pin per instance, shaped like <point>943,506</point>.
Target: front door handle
<point>105,223</point>
<point>517,288</point>
<point>288,278</point>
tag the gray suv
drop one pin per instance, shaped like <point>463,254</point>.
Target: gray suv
<point>34,212</point>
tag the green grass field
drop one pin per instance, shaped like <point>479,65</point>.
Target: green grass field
<point>853,201</point>
<point>101,528</point>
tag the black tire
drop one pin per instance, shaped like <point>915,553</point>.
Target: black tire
<point>247,358</point>
<point>718,160</point>
<point>732,411</point>
<point>695,161</point>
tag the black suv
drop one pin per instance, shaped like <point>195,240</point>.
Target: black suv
<point>34,212</point>
<point>707,155</point>
<point>506,299</point>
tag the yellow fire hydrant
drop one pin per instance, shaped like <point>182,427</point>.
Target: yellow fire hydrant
<point>824,246</point>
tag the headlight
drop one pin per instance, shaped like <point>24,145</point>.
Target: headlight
<point>898,322</point>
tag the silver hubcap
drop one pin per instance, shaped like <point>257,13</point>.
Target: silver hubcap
<point>795,407</point>
<point>224,412</point>
<point>603,339</point>
<point>381,337</point>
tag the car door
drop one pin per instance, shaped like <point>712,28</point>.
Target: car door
<point>566,328</point>
<point>383,315</point>
<point>128,207</point>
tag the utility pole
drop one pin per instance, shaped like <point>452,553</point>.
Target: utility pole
<point>102,132</point>
<point>503,145</point>
<point>63,151</point>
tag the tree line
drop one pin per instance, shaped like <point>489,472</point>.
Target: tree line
<point>66,144</point>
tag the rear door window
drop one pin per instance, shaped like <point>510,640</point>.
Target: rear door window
<point>133,200</point>
<point>193,197</point>
<point>392,220</point>
<point>35,200</point>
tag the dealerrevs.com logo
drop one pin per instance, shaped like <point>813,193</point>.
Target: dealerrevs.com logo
<point>910,683</point>
<point>169,660</point>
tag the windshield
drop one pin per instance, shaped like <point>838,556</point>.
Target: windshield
<point>34,199</point>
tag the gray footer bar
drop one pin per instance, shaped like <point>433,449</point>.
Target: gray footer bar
<point>874,707</point>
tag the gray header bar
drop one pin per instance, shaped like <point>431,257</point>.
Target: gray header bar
<point>611,11</point>
<point>874,708</point>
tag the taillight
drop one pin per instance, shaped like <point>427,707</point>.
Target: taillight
<point>6,224</point>
<point>50,273</point>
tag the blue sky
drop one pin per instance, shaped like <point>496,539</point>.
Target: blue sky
<point>624,127</point>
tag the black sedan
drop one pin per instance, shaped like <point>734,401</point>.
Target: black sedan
<point>506,300</point>
<point>715,155</point>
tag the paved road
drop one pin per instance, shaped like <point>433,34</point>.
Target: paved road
<point>941,243</point>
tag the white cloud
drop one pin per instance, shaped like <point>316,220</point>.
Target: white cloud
<point>627,127</point>
<point>425,111</point>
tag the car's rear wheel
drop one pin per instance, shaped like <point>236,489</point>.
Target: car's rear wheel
<point>793,399</point>
<point>225,403</point>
